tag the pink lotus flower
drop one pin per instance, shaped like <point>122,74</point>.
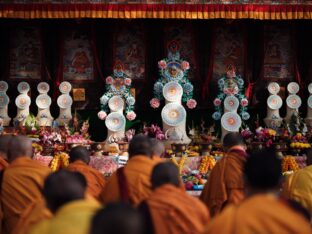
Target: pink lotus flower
<point>102,115</point>
<point>162,64</point>
<point>155,103</point>
<point>185,65</point>
<point>109,80</point>
<point>128,81</point>
<point>191,103</point>
<point>217,102</point>
<point>244,102</point>
<point>131,115</point>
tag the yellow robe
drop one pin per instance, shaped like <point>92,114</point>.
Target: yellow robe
<point>173,211</point>
<point>95,179</point>
<point>137,172</point>
<point>73,218</point>
<point>258,215</point>
<point>33,214</point>
<point>298,187</point>
<point>225,184</point>
<point>22,183</point>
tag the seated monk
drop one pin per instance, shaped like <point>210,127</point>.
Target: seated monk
<point>169,209</point>
<point>21,182</point>
<point>4,142</point>
<point>158,150</point>
<point>111,220</point>
<point>79,159</point>
<point>298,186</point>
<point>65,192</point>
<point>225,184</point>
<point>263,211</point>
<point>132,183</point>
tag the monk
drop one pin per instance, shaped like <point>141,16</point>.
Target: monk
<point>22,181</point>
<point>111,220</point>
<point>263,211</point>
<point>4,142</point>
<point>158,149</point>
<point>169,209</point>
<point>131,183</point>
<point>64,192</point>
<point>298,186</point>
<point>225,184</point>
<point>79,159</point>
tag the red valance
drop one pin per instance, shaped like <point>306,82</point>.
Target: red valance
<point>157,11</point>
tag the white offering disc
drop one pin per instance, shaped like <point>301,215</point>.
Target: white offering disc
<point>274,102</point>
<point>65,87</point>
<point>43,87</point>
<point>115,122</point>
<point>310,88</point>
<point>173,114</point>
<point>231,103</point>
<point>293,88</point>
<point>23,87</point>
<point>3,86</point>
<point>43,101</point>
<point>22,101</point>
<point>116,103</point>
<point>172,91</point>
<point>231,121</point>
<point>293,101</point>
<point>310,101</point>
<point>274,88</point>
<point>4,99</point>
<point>64,101</point>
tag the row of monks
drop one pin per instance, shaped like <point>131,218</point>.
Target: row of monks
<point>244,194</point>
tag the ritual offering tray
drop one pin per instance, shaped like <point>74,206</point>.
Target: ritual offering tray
<point>179,149</point>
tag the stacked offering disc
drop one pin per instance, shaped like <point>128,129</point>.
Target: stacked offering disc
<point>293,101</point>
<point>4,102</point>
<point>308,119</point>
<point>22,102</point>
<point>274,103</point>
<point>43,102</point>
<point>64,101</point>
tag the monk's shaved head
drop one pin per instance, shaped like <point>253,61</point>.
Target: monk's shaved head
<point>263,170</point>
<point>79,153</point>
<point>140,145</point>
<point>63,187</point>
<point>165,173</point>
<point>233,139</point>
<point>4,145</point>
<point>19,146</point>
<point>117,218</point>
<point>158,148</point>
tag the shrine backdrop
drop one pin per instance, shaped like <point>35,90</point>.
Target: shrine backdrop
<point>157,9</point>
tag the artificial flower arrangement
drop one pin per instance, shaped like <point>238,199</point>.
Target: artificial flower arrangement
<point>299,141</point>
<point>173,68</point>
<point>32,127</point>
<point>266,136</point>
<point>60,160</point>
<point>78,137</point>
<point>194,180</point>
<point>154,131</point>
<point>118,85</point>
<point>289,164</point>
<point>231,84</point>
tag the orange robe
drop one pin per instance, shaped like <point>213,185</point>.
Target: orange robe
<point>21,185</point>
<point>32,215</point>
<point>95,179</point>
<point>298,187</point>
<point>3,164</point>
<point>259,214</point>
<point>225,184</point>
<point>137,175</point>
<point>173,211</point>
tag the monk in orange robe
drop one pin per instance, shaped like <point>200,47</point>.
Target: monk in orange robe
<point>64,192</point>
<point>298,186</point>
<point>79,159</point>
<point>169,209</point>
<point>263,211</point>
<point>225,184</point>
<point>158,150</point>
<point>132,182</point>
<point>32,215</point>
<point>4,142</point>
<point>21,182</point>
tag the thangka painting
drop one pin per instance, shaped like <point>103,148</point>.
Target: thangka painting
<point>277,53</point>
<point>184,35</point>
<point>78,60</point>
<point>129,48</point>
<point>228,49</point>
<point>25,53</point>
